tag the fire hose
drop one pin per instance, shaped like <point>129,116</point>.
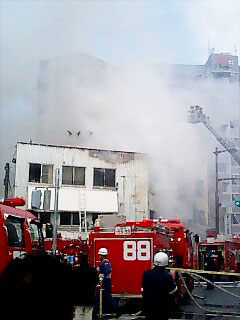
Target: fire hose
<point>206,310</point>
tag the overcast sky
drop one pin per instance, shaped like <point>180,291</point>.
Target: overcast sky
<point>118,31</point>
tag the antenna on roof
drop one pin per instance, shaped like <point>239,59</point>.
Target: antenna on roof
<point>69,135</point>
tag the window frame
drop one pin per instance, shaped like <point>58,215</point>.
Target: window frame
<point>41,172</point>
<point>73,176</point>
<point>22,243</point>
<point>71,218</point>
<point>104,170</point>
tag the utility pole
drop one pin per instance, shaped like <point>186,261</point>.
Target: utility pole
<point>57,180</point>
<point>216,192</point>
<point>6,180</point>
<point>217,204</point>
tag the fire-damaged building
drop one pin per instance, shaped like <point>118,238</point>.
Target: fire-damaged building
<point>93,184</point>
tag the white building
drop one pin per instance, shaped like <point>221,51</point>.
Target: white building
<point>93,182</point>
<point>229,187</point>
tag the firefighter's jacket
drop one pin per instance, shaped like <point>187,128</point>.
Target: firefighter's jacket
<point>106,273</point>
<point>158,285</point>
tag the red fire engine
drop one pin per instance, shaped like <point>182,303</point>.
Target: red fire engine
<point>20,231</point>
<point>219,255</point>
<point>131,248</point>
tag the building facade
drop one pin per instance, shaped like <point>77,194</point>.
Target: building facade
<point>92,183</point>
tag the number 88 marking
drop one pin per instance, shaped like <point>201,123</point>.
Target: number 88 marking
<point>139,250</point>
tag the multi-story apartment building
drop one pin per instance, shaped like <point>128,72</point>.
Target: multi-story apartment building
<point>93,182</point>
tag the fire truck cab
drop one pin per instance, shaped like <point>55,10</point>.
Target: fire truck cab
<point>20,231</point>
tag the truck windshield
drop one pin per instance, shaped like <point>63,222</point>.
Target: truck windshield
<point>34,231</point>
<point>15,232</point>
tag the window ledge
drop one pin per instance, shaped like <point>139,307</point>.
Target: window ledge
<point>105,188</point>
<point>41,185</point>
<point>73,186</point>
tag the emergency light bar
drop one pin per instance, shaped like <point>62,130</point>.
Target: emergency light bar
<point>13,202</point>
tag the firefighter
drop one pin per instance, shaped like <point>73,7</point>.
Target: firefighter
<point>105,269</point>
<point>36,287</point>
<point>87,279</point>
<point>158,287</point>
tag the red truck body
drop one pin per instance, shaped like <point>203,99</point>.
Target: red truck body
<point>20,232</point>
<point>225,254</point>
<point>132,246</point>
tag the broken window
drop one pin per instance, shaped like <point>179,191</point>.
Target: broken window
<point>104,177</point>
<point>73,175</point>
<point>41,173</point>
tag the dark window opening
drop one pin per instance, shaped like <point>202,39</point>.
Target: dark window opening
<point>69,218</point>
<point>44,217</point>
<point>41,173</point>
<point>75,219</point>
<point>98,178</point>
<point>34,172</point>
<point>104,177</point>
<point>15,232</point>
<point>65,218</point>
<point>110,177</point>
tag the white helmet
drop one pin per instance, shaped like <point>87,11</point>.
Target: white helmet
<point>160,259</point>
<point>103,251</point>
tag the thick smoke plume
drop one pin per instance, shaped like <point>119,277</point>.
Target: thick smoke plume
<point>129,101</point>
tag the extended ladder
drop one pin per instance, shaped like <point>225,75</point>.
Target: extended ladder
<point>82,212</point>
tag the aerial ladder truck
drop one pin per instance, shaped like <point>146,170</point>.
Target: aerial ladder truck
<point>196,115</point>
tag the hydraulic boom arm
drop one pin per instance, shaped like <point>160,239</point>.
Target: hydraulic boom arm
<point>196,115</point>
